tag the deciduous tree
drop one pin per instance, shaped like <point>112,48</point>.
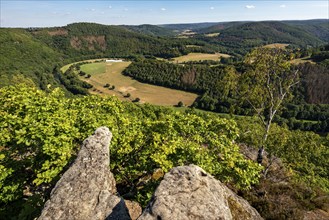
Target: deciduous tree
<point>266,84</point>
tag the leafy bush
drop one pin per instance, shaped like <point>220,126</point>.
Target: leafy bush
<point>41,132</point>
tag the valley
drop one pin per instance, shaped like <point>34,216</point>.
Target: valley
<point>240,86</point>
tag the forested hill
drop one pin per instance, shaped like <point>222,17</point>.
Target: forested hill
<point>239,37</point>
<point>153,30</point>
<point>318,27</point>
<point>89,39</point>
<point>266,32</point>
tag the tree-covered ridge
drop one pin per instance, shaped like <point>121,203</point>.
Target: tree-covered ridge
<point>41,132</point>
<point>112,41</point>
<point>152,30</point>
<point>240,37</point>
<point>270,32</point>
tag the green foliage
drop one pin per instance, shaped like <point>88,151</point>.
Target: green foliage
<point>267,78</point>
<point>215,84</point>
<point>25,59</point>
<point>40,134</point>
<point>305,153</point>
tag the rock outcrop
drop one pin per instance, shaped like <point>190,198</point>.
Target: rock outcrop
<point>87,189</point>
<point>188,192</point>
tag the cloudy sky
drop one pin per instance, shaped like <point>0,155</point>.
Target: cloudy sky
<point>27,13</point>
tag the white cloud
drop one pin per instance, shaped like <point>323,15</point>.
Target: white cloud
<point>250,6</point>
<point>163,9</point>
<point>126,9</point>
<point>212,8</point>
<point>282,6</point>
<point>93,9</point>
<point>110,6</point>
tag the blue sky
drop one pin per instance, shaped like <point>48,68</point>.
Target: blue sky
<point>61,12</point>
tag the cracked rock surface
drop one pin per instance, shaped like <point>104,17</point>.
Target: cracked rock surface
<point>188,192</point>
<point>87,189</point>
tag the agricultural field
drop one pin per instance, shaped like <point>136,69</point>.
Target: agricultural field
<point>123,85</point>
<point>199,56</point>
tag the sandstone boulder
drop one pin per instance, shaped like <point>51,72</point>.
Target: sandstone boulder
<point>188,192</point>
<point>87,189</point>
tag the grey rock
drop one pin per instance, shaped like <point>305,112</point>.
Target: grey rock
<point>87,189</point>
<point>188,192</point>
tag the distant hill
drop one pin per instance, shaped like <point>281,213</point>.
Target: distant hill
<point>307,31</point>
<point>318,27</point>
<point>153,30</point>
<point>239,37</point>
<point>189,26</point>
<point>270,32</point>
<point>90,39</point>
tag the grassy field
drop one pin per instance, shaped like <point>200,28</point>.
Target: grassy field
<point>93,68</point>
<point>66,67</point>
<point>199,56</point>
<point>123,85</point>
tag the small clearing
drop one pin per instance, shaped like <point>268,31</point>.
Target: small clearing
<point>302,60</point>
<point>123,85</point>
<point>276,45</point>
<point>212,35</point>
<point>200,56</point>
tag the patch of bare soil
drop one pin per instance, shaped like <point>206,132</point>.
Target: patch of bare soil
<point>91,41</point>
<point>58,32</point>
<point>126,89</point>
<point>76,43</point>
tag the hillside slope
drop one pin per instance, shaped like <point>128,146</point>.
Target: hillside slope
<point>25,59</point>
<point>90,39</point>
<point>269,32</point>
<point>240,37</point>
